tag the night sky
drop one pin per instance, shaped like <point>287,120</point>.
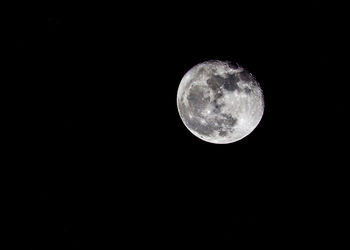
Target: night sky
<point>112,164</point>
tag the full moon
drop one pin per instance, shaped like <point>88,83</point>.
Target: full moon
<point>220,102</point>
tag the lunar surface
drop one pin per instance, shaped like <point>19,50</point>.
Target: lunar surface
<point>220,102</point>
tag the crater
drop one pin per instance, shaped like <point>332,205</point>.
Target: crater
<point>215,82</point>
<point>247,90</point>
<point>222,133</point>
<point>233,65</point>
<point>245,76</point>
<point>230,83</point>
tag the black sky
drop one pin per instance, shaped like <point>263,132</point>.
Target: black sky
<point>113,163</point>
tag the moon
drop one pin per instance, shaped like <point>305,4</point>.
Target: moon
<point>220,102</point>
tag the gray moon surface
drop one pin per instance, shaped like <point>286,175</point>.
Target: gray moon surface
<point>220,102</point>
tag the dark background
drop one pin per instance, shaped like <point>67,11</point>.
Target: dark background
<point>111,163</point>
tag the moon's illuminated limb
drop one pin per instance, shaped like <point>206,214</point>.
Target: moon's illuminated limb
<point>220,102</point>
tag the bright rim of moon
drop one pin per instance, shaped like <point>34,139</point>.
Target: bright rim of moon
<point>220,102</point>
